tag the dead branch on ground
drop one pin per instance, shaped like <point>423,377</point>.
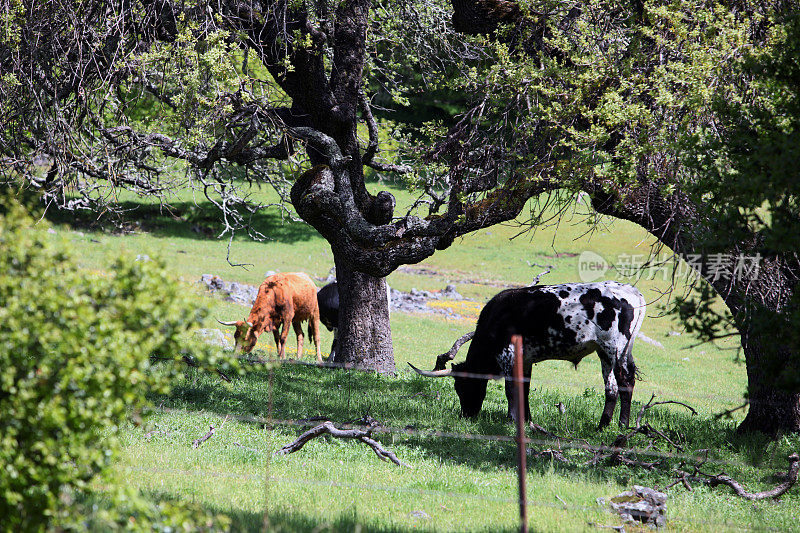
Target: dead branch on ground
<point>539,276</point>
<point>617,455</point>
<point>646,429</point>
<point>539,429</point>
<point>714,480</point>
<point>553,455</point>
<point>211,431</point>
<point>327,428</point>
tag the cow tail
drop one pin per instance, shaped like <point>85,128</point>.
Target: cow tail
<point>635,326</point>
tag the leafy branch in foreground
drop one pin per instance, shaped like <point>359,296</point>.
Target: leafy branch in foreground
<point>78,350</point>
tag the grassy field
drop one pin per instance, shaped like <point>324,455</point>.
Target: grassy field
<point>456,481</point>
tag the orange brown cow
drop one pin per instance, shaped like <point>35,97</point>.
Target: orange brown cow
<point>283,299</point>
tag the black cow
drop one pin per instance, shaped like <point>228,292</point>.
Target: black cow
<point>564,322</point>
<point>328,300</point>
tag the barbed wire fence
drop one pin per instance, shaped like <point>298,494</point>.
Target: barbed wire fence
<point>550,447</point>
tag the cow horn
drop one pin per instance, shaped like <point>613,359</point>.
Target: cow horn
<point>249,325</point>
<point>226,323</point>
<point>432,373</point>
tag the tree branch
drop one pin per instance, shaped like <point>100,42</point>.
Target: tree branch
<point>327,428</point>
<point>372,148</point>
<point>714,480</point>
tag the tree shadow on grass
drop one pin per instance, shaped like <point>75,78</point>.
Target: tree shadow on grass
<point>292,522</point>
<point>183,220</point>
<point>280,521</point>
<point>284,522</point>
<point>190,220</point>
<point>425,412</point>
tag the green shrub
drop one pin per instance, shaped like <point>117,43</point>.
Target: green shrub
<point>77,351</point>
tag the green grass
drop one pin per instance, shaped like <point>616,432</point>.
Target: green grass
<point>460,484</point>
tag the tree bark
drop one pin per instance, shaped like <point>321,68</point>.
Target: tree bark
<point>365,334</point>
<point>771,410</point>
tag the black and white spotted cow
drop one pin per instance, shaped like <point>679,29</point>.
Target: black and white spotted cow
<point>562,322</point>
<point>328,300</point>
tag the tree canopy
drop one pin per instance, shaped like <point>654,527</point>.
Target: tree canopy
<point>654,109</point>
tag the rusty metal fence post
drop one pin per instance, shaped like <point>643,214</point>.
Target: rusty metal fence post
<point>519,403</point>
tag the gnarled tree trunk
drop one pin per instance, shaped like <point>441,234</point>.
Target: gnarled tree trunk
<point>365,335</point>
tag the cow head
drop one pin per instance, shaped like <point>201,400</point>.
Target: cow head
<point>471,393</point>
<point>471,390</point>
<point>245,337</point>
<point>266,315</point>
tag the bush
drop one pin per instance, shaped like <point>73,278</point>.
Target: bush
<point>76,352</point>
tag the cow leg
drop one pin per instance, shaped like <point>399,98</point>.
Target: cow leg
<point>611,390</point>
<point>276,333</point>
<point>625,373</point>
<point>298,330</point>
<point>313,332</point>
<point>284,336</point>
<point>512,407</point>
<point>332,356</point>
<point>527,386</point>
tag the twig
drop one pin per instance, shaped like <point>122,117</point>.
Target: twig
<point>618,453</point>
<point>548,267</point>
<point>201,440</point>
<point>648,430</point>
<point>540,429</point>
<point>194,364</point>
<point>683,477</point>
<point>211,430</point>
<point>650,403</point>
<point>689,407</point>
<point>359,434</point>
